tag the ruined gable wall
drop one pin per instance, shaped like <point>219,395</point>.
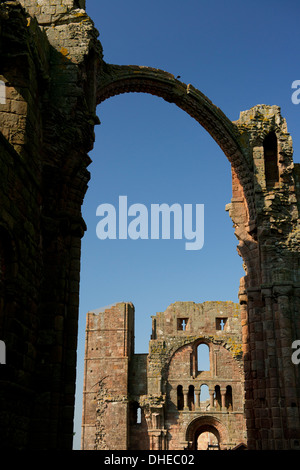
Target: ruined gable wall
<point>167,335</point>
<point>173,363</point>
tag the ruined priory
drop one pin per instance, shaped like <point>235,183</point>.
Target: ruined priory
<point>53,76</point>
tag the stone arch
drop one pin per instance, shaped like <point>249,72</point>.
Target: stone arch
<point>206,423</point>
<point>116,80</point>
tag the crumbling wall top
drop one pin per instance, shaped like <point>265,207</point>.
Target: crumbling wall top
<point>49,11</point>
<point>188,318</point>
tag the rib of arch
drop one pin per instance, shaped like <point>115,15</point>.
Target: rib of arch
<point>116,79</point>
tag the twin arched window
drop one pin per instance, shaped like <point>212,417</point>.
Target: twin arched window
<point>186,399</point>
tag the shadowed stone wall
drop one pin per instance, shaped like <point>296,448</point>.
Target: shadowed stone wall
<point>52,66</point>
<point>47,125</point>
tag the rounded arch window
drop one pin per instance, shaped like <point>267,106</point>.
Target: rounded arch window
<point>228,397</point>
<point>191,398</point>
<point>135,415</point>
<point>217,397</point>
<point>203,357</point>
<point>180,399</point>
<point>204,397</point>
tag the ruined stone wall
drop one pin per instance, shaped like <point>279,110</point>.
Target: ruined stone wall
<point>269,293</point>
<point>46,124</point>
<point>148,388</point>
<point>109,348</point>
<point>223,373</point>
<point>137,386</point>
<point>49,12</point>
<point>173,354</point>
<point>52,65</point>
<point>20,224</point>
<point>19,295</point>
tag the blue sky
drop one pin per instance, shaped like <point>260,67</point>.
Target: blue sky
<point>239,54</point>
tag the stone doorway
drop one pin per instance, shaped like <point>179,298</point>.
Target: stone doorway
<point>206,433</point>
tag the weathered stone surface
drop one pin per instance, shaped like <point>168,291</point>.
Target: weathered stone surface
<point>168,420</point>
<point>52,65</point>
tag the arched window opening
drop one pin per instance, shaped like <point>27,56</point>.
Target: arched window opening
<point>228,398</point>
<point>204,397</point>
<point>271,160</point>
<point>135,413</point>
<point>180,400</point>
<point>218,400</point>
<point>139,415</point>
<point>191,398</point>
<point>203,362</point>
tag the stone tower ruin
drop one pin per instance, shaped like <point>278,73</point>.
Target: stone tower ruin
<point>157,401</point>
<point>52,77</point>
